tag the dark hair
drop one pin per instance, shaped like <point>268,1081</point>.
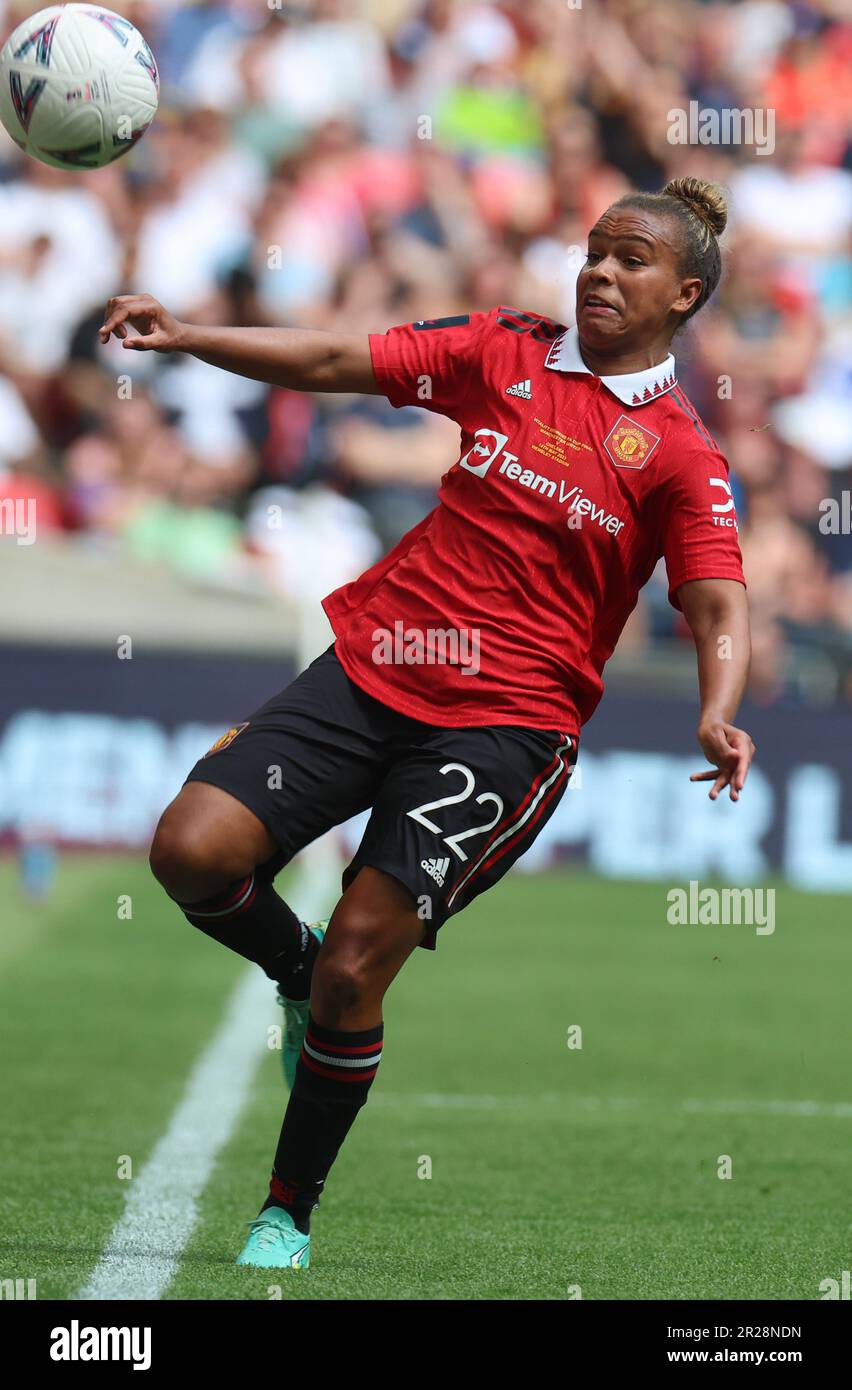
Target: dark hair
<point>701,211</point>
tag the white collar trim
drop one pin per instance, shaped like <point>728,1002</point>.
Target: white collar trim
<point>631,388</point>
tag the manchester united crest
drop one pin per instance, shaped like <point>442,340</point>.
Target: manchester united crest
<point>630,445</point>
<point>227,739</point>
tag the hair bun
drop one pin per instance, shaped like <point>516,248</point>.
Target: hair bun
<point>705,199</point>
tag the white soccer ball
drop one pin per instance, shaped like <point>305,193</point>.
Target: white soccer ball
<point>78,86</point>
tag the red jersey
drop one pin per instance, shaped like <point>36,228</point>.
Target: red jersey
<point>504,604</point>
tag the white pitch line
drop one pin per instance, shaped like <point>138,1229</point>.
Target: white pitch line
<point>141,1257</point>
<point>142,1254</point>
<point>802,1109</point>
<point>458,1100</point>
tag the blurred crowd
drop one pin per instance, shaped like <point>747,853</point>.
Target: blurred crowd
<point>354,164</point>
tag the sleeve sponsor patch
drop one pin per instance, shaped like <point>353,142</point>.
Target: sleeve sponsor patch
<point>452,322</point>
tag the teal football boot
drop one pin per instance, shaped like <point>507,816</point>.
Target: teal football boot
<point>296,1020</point>
<point>274,1242</point>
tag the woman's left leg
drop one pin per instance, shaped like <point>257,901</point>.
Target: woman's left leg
<point>454,810</point>
<point>372,932</point>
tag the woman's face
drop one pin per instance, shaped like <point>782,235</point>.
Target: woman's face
<point>630,292</point>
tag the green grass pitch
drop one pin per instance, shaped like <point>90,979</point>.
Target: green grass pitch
<point>553,1169</point>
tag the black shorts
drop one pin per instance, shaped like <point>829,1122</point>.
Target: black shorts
<point>452,809</point>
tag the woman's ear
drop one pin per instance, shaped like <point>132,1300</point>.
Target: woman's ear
<point>690,292</point>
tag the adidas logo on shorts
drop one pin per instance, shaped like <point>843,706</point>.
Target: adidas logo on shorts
<point>521,388</point>
<point>436,868</point>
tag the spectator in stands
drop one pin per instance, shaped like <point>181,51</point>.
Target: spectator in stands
<point>331,163</point>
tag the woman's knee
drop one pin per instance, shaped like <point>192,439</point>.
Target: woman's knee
<point>370,935</point>
<point>182,859</point>
<point>201,844</point>
<point>340,984</point>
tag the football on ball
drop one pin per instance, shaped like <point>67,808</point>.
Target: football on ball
<point>78,86</point>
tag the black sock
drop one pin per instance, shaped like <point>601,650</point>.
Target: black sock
<point>296,982</point>
<point>251,919</point>
<point>333,1078</point>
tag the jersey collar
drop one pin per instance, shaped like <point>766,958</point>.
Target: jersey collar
<point>631,388</point>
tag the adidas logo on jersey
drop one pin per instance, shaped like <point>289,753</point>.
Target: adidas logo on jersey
<point>522,389</point>
<point>436,868</point>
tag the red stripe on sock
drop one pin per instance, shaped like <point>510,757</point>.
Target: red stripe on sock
<point>221,904</point>
<point>244,907</point>
<point>223,900</point>
<point>284,1193</point>
<point>335,1074</point>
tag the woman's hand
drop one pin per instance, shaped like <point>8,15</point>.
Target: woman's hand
<point>155,328</point>
<point>730,750</point>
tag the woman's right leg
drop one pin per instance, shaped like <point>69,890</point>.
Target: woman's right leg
<point>304,762</point>
<point>206,853</point>
<point>310,758</point>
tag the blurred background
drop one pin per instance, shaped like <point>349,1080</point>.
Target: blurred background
<point>354,164</point>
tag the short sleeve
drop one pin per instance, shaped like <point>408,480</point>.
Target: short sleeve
<point>430,363</point>
<point>700,537</point>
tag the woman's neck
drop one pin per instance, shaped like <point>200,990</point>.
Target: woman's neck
<point>620,364</point>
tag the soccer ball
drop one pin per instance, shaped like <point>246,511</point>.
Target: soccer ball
<point>78,86</point>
